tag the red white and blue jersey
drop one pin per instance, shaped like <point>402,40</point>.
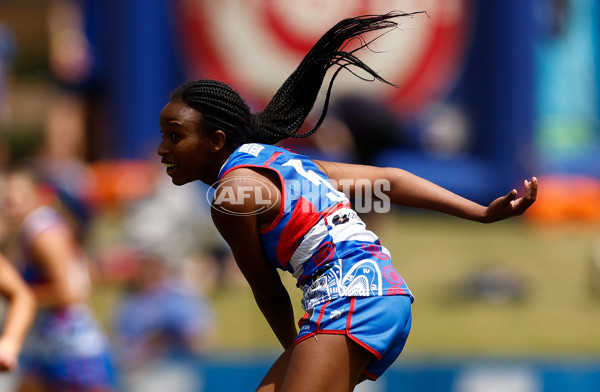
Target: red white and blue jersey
<point>317,236</point>
<point>39,220</point>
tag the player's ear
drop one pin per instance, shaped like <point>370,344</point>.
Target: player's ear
<point>218,139</point>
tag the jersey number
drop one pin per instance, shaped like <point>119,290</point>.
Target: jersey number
<point>316,179</point>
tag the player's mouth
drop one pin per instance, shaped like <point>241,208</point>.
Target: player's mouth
<point>170,167</point>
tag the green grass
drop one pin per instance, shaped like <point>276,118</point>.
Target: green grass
<point>559,313</point>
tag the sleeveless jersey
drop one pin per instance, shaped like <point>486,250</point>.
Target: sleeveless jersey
<point>317,236</point>
<point>39,220</point>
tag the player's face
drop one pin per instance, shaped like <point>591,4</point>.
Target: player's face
<point>20,197</point>
<point>186,152</point>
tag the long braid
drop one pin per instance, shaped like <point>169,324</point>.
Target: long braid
<point>285,114</point>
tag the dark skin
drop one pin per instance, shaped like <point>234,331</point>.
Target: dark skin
<point>190,155</point>
<point>271,296</point>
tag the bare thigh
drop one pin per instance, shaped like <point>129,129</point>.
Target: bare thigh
<point>328,363</point>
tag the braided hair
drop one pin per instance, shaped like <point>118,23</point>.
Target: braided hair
<point>223,108</point>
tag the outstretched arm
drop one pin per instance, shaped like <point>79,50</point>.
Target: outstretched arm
<point>409,190</point>
<point>21,309</point>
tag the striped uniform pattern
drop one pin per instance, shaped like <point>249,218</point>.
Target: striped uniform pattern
<point>317,236</point>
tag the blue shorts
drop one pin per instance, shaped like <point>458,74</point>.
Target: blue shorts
<point>68,350</point>
<point>379,324</point>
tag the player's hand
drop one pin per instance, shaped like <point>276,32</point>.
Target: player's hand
<point>8,354</point>
<point>509,205</point>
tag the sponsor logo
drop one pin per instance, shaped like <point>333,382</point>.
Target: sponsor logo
<point>335,314</point>
<point>395,290</point>
<point>340,219</point>
<point>252,149</point>
<point>390,274</point>
<point>376,251</point>
<point>324,254</point>
<point>304,322</point>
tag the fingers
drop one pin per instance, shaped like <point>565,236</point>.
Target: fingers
<point>529,196</point>
<point>531,189</point>
<point>512,195</point>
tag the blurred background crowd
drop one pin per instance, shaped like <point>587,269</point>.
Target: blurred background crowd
<point>487,93</point>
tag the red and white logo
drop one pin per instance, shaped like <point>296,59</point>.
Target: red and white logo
<point>255,45</point>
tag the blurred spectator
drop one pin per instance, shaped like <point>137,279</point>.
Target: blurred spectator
<point>445,131</point>
<point>167,219</point>
<point>495,284</point>
<point>552,17</point>
<point>441,129</point>
<point>62,158</point>
<point>333,142</point>
<point>371,124</point>
<point>66,349</point>
<point>8,50</point>
<point>161,327</point>
<point>168,222</point>
<point>70,54</point>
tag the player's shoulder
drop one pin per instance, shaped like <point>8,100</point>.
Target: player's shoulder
<point>245,191</point>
